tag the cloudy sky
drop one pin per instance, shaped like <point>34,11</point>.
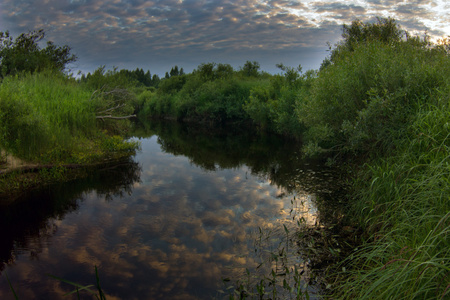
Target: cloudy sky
<point>159,34</point>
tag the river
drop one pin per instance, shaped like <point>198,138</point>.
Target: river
<point>185,218</point>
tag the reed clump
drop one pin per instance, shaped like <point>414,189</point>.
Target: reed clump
<point>48,117</point>
<point>48,121</point>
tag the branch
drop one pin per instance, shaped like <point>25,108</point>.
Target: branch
<point>110,109</point>
<point>115,118</point>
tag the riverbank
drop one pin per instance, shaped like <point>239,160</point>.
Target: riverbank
<point>18,176</point>
<point>50,130</point>
<point>402,203</point>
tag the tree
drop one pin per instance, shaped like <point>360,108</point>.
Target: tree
<point>24,54</point>
<point>251,68</point>
<point>174,71</point>
<point>385,30</point>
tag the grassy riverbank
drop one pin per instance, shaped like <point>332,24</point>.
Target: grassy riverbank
<point>48,121</point>
<point>389,101</point>
<point>403,203</point>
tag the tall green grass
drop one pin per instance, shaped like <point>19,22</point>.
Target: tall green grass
<point>403,201</point>
<point>48,117</point>
<point>41,112</point>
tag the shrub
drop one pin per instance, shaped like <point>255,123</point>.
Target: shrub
<point>367,95</point>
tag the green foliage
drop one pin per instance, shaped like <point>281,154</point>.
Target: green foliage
<point>113,92</point>
<point>41,111</point>
<point>385,31</point>
<point>172,85</point>
<point>47,117</point>
<point>273,106</point>
<point>109,79</point>
<point>388,99</point>
<point>212,92</point>
<point>138,77</point>
<point>403,201</point>
<point>213,71</point>
<point>216,93</point>
<point>367,95</point>
<point>251,69</point>
<point>260,106</point>
<point>23,54</point>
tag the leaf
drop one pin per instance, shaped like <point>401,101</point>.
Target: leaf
<point>11,287</point>
<point>79,286</point>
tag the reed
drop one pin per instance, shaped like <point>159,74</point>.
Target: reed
<point>48,117</point>
<point>404,206</point>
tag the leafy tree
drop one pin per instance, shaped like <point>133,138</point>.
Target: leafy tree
<point>213,71</point>
<point>155,80</point>
<point>251,68</point>
<point>385,30</point>
<point>206,71</point>
<point>224,70</point>
<point>174,71</point>
<point>25,54</point>
<point>291,75</point>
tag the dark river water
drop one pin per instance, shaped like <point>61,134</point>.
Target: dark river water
<point>192,208</point>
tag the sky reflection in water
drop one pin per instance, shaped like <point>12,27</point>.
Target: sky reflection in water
<point>174,234</point>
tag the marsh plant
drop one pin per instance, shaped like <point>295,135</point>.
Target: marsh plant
<point>281,272</point>
<point>94,290</point>
<point>48,117</point>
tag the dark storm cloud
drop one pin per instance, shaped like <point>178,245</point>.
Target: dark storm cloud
<point>168,32</point>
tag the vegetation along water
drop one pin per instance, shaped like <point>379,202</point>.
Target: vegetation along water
<point>378,109</point>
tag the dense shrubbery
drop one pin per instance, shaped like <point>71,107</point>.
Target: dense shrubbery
<point>367,95</point>
<point>217,93</point>
<point>213,93</point>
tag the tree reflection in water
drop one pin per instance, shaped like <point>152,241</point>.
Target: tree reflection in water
<point>170,222</point>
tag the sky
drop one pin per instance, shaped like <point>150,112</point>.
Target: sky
<point>157,35</point>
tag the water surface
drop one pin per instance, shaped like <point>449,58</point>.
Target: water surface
<point>170,223</point>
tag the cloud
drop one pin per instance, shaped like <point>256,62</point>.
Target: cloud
<point>145,32</point>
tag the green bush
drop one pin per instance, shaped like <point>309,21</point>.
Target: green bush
<point>260,106</point>
<point>367,95</point>
<point>211,93</point>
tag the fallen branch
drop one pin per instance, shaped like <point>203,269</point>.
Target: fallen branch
<point>110,109</point>
<point>115,118</point>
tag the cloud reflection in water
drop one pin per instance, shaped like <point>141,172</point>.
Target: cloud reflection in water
<point>181,230</point>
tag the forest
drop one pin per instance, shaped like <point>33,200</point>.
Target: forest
<point>379,102</point>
